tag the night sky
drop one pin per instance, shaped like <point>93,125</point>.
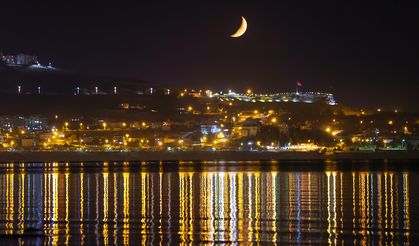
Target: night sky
<point>367,54</point>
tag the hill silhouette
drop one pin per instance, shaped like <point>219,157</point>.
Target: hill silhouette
<point>58,81</point>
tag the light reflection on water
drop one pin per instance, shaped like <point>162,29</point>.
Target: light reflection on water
<point>121,204</point>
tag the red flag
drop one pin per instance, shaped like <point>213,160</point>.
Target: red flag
<point>299,84</point>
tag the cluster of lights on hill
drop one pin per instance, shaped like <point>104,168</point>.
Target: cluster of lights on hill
<point>306,97</point>
<point>249,96</point>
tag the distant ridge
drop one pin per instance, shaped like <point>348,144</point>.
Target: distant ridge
<point>59,81</point>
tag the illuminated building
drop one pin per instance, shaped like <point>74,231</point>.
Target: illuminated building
<point>210,129</point>
<point>19,59</point>
<point>23,59</point>
<point>302,97</point>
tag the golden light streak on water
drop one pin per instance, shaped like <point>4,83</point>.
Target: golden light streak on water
<point>212,206</point>
<point>182,208</point>
<point>289,203</point>
<point>96,208</point>
<point>126,206</point>
<point>331,207</point>
<point>309,201</point>
<point>204,205</point>
<point>222,200</point>
<point>105,208</point>
<point>169,208</point>
<point>257,208</point>
<point>341,204</point>
<point>363,207</point>
<point>115,206</point>
<point>10,204</point>
<point>386,200</point>
<point>160,209</point>
<point>250,214</point>
<point>271,193</point>
<point>241,201</point>
<point>367,205</point>
<point>379,201</point>
<point>186,208</point>
<point>354,207</point>
<point>391,206</point>
<point>53,229</point>
<point>191,207</point>
<point>21,204</point>
<point>233,218</point>
<point>67,201</point>
<point>406,206</point>
<point>144,196</point>
<point>82,235</point>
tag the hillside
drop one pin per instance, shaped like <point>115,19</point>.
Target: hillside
<point>61,81</point>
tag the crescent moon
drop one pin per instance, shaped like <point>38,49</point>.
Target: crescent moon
<point>241,30</point>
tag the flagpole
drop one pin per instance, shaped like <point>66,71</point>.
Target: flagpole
<point>296,88</point>
<point>298,84</point>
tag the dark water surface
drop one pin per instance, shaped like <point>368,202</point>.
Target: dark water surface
<point>218,202</point>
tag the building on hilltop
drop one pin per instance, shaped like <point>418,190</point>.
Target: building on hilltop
<point>23,59</point>
<point>19,59</point>
<point>303,97</point>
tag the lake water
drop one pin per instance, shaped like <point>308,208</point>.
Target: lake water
<point>218,202</point>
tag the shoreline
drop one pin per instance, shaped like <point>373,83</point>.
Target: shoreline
<point>199,156</point>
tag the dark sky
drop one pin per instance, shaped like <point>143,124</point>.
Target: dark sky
<point>364,53</point>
